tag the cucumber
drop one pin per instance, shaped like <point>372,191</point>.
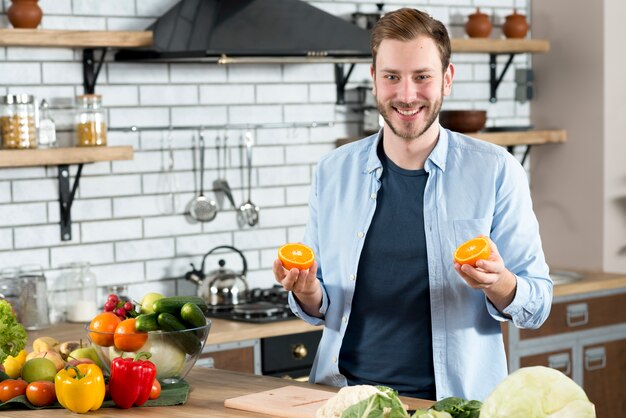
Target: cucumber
<point>188,341</point>
<point>173,304</point>
<point>192,315</point>
<point>147,322</point>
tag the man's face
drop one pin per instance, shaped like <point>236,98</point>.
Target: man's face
<point>409,85</point>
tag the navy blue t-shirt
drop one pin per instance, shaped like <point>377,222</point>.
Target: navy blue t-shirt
<point>388,340</point>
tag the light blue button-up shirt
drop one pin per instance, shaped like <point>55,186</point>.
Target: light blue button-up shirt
<point>473,188</point>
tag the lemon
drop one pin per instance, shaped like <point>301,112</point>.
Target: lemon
<point>13,365</point>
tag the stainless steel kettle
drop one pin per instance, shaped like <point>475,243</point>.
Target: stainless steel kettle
<point>221,287</point>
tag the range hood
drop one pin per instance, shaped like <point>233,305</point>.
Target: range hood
<point>252,31</point>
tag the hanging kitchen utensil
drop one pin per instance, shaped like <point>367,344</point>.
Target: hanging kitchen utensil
<point>248,212</point>
<point>202,208</point>
<point>220,185</point>
<point>167,184</point>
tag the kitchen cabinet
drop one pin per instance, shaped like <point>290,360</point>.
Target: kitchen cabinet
<point>585,338</point>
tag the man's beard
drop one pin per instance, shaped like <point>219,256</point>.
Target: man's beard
<point>410,130</point>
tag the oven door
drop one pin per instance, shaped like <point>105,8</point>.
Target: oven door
<point>289,356</point>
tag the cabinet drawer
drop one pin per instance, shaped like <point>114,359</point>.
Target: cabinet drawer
<point>289,352</point>
<point>559,360</point>
<point>236,359</point>
<point>592,312</point>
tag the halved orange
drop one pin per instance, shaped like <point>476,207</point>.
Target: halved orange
<point>296,255</point>
<point>473,250</point>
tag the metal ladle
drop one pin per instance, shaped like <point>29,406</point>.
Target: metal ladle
<point>248,212</point>
<point>202,209</point>
<point>220,185</point>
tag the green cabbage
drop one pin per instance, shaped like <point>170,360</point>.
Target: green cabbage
<point>167,356</point>
<point>12,333</point>
<point>537,392</point>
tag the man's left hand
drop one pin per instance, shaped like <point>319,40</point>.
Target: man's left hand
<point>492,277</point>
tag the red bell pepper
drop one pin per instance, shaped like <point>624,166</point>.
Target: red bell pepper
<point>131,380</point>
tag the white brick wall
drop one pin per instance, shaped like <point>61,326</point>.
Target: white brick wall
<point>123,224</point>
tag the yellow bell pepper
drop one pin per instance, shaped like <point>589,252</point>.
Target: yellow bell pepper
<point>80,388</point>
<point>13,365</point>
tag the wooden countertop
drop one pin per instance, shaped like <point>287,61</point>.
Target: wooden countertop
<point>209,389</point>
<point>590,283</point>
<point>222,331</point>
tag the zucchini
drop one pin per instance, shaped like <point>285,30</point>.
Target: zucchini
<point>187,340</point>
<point>192,315</point>
<point>147,322</point>
<point>173,304</point>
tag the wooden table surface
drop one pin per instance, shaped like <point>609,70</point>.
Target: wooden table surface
<point>209,389</point>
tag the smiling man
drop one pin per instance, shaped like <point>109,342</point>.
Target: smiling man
<point>386,214</point>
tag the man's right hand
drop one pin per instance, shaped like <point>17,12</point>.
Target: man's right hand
<point>303,283</point>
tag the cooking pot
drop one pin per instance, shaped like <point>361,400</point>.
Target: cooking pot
<point>221,287</point>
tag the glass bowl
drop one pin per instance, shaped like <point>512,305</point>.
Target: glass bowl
<point>173,352</point>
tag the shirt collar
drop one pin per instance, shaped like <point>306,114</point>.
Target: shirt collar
<point>437,156</point>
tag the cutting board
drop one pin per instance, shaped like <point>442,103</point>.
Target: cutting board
<point>285,402</point>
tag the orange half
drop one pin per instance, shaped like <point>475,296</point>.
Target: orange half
<point>473,250</point>
<point>296,255</point>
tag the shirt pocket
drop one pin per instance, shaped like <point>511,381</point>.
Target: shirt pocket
<point>466,229</point>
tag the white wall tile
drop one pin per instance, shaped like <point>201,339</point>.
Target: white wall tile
<point>139,116</point>
<point>310,113</point>
<point>285,217</point>
<point>165,226</point>
<point>198,245</point>
<point>104,8</point>
<point>42,236</point>
<point>39,54</point>
<point>56,6</point>
<point>254,114</point>
<point>144,249</point>
<point>73,22</point>
<point>22,214</point>
<point>82,210</point>
<point>282,93</point>
<point>263,73</point>
<point>306,72</point>
<point>168,95</point>
<point>199,116</point>
<point>6,239</point>
<point>5,192</point>
<point>118,95</point>
<point>154,8</point>
<point>88,253</point>
<point>307,153</point>
<point>121,185</point>
<point>287,174</point>
<point>137,73</point>
<point>35,190</point>
<point>111,230</point>
<point>17,258</point>
<point>63,73</point>
<point>259,238</point>
<point>227,94</point>
<point>119,273</point>
<point>128,23</point>
<point>197,73</point>
<point>324,93</point>
<point>20,73</point>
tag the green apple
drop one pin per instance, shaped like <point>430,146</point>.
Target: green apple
<point>38,369</point>
<point>86,352</point>
<point>147,301</point>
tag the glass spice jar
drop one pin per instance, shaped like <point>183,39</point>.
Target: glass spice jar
<point>18,118</point>
<point>91,123</point>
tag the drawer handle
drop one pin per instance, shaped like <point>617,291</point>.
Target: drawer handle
<point>577,315</point>
<point>560,362</point>
<point>299,351</point>
<point>595,358</point>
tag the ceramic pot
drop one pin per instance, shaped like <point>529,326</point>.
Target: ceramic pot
<point>478,25</point>
<point>515,26</point>
<point>24,14</point>
<point>463,120</point>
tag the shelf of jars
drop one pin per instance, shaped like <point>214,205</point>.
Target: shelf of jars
<point>63,156</point>
<point>507,138</point>
<point>74,38</point>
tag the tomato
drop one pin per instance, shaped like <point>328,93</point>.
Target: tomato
<point>127,338</point>
<point>104,324</point>
<point>155,392</point>
<point>41,393</point>
<point>11,388</point>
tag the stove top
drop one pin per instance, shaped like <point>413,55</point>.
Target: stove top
<point>261,306</point>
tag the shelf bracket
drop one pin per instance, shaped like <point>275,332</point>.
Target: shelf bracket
<point>511,150</point>
<point>494,79</point>
<point>91,68</point>
<point>66,198</point>
<point>340,81</point>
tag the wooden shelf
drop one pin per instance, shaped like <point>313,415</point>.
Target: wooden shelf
<point>522,137</point>
<point>499,46</point>
<point>63,156</point>
<point>74,38</point>
<point>505,138</point>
